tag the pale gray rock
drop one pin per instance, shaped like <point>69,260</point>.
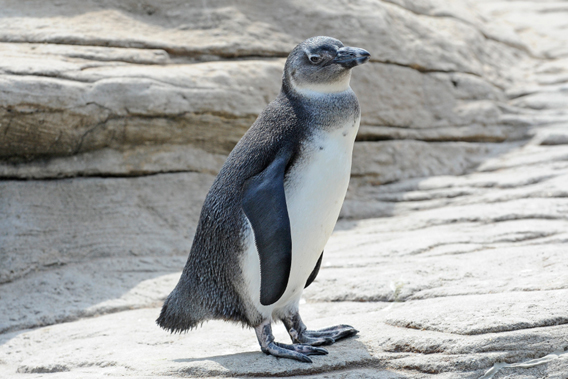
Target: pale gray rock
<point>126,108</point>
<point>87,289</point>
<point>53,223</point>
<point>394,352</point>
<point>223,348</point>
<point>551,135</point>
<point>539,24</point>
<point>392,95</point>
<point>120,76</point>
<point>496,29</point>
<point>389,161</point>
<point>490,313</point>
<point>207,105</point>
<point>453,267</point>
<point>249,28</point>
<point>533,172</point>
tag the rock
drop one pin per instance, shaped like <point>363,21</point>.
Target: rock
<point>54,223</point>
<point>225,29</point>
<point>90,288</point>
<point>532,172</point>
<point>551,135</point>
<point>453,267</point>
<point>391,95</point>
<point>389,161</point>
<point>124,77</point>
<point>451,291</point>
<point>87,109</point>
<point>483,314</point>
<point>542,31</point>
<point>141,160</point>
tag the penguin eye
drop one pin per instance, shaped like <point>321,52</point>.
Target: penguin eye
<point>315,58</point>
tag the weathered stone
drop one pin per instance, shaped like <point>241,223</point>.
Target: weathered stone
<point>135,106</point>
<point>53,223</point>
<point>121,76</point>
<point>118,107</point>
<point>68,292</point>
<point>484,314</point>
<point>141,160</point>
<point>388,161</point>
<point>392,95</point>
<point>539,24</point>
<point>254,29</point>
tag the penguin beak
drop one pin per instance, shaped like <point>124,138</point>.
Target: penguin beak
<point>350,57</point>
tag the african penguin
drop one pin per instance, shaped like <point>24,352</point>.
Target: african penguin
<point>273,206</point>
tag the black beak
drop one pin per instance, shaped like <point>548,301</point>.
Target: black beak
<point>350,57</point>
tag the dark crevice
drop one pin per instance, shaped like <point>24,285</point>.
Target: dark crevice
<point>129,175</point>
<point>472,139</point>
<point>426,70</point>
<point>557,321</point>
<point>50,76</point>
<point>220,57</point>
<point>174,53</point>
<point>89,131</point>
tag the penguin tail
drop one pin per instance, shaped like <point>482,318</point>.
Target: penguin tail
<point>175,317</point>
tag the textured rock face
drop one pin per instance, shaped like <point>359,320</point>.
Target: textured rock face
<point>450,255</point>
<point>129,88</point>
<point>74,220</point>
<point>126,75</point>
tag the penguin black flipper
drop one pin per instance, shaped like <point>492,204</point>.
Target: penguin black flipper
<point>315,272</point>
<point>264,204</point>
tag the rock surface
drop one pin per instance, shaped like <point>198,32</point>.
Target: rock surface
<point>450,254</point>
<point>128,75</point>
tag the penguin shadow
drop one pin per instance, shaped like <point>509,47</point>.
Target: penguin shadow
<point>345,354</point>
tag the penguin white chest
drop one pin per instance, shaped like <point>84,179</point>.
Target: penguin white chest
<point>314,197</point>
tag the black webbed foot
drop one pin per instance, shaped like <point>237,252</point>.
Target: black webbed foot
<point>299,333</point>
<point>332,333</point>
<point>298,352</point>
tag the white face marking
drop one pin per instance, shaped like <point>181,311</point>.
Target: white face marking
<point>314,199</point>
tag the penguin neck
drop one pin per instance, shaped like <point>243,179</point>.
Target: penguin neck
<point>316,90</point>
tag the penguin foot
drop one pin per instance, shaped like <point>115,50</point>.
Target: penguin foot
<point>332,333</point>
<point>298,352</point>
<point>300,334</point>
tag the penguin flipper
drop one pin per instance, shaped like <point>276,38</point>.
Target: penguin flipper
<point>264,204</point>
<point>315,272</point>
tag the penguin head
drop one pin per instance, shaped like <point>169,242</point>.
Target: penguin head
<point>322,65</point>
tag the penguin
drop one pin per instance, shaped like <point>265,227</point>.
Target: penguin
<point>273,206</point>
